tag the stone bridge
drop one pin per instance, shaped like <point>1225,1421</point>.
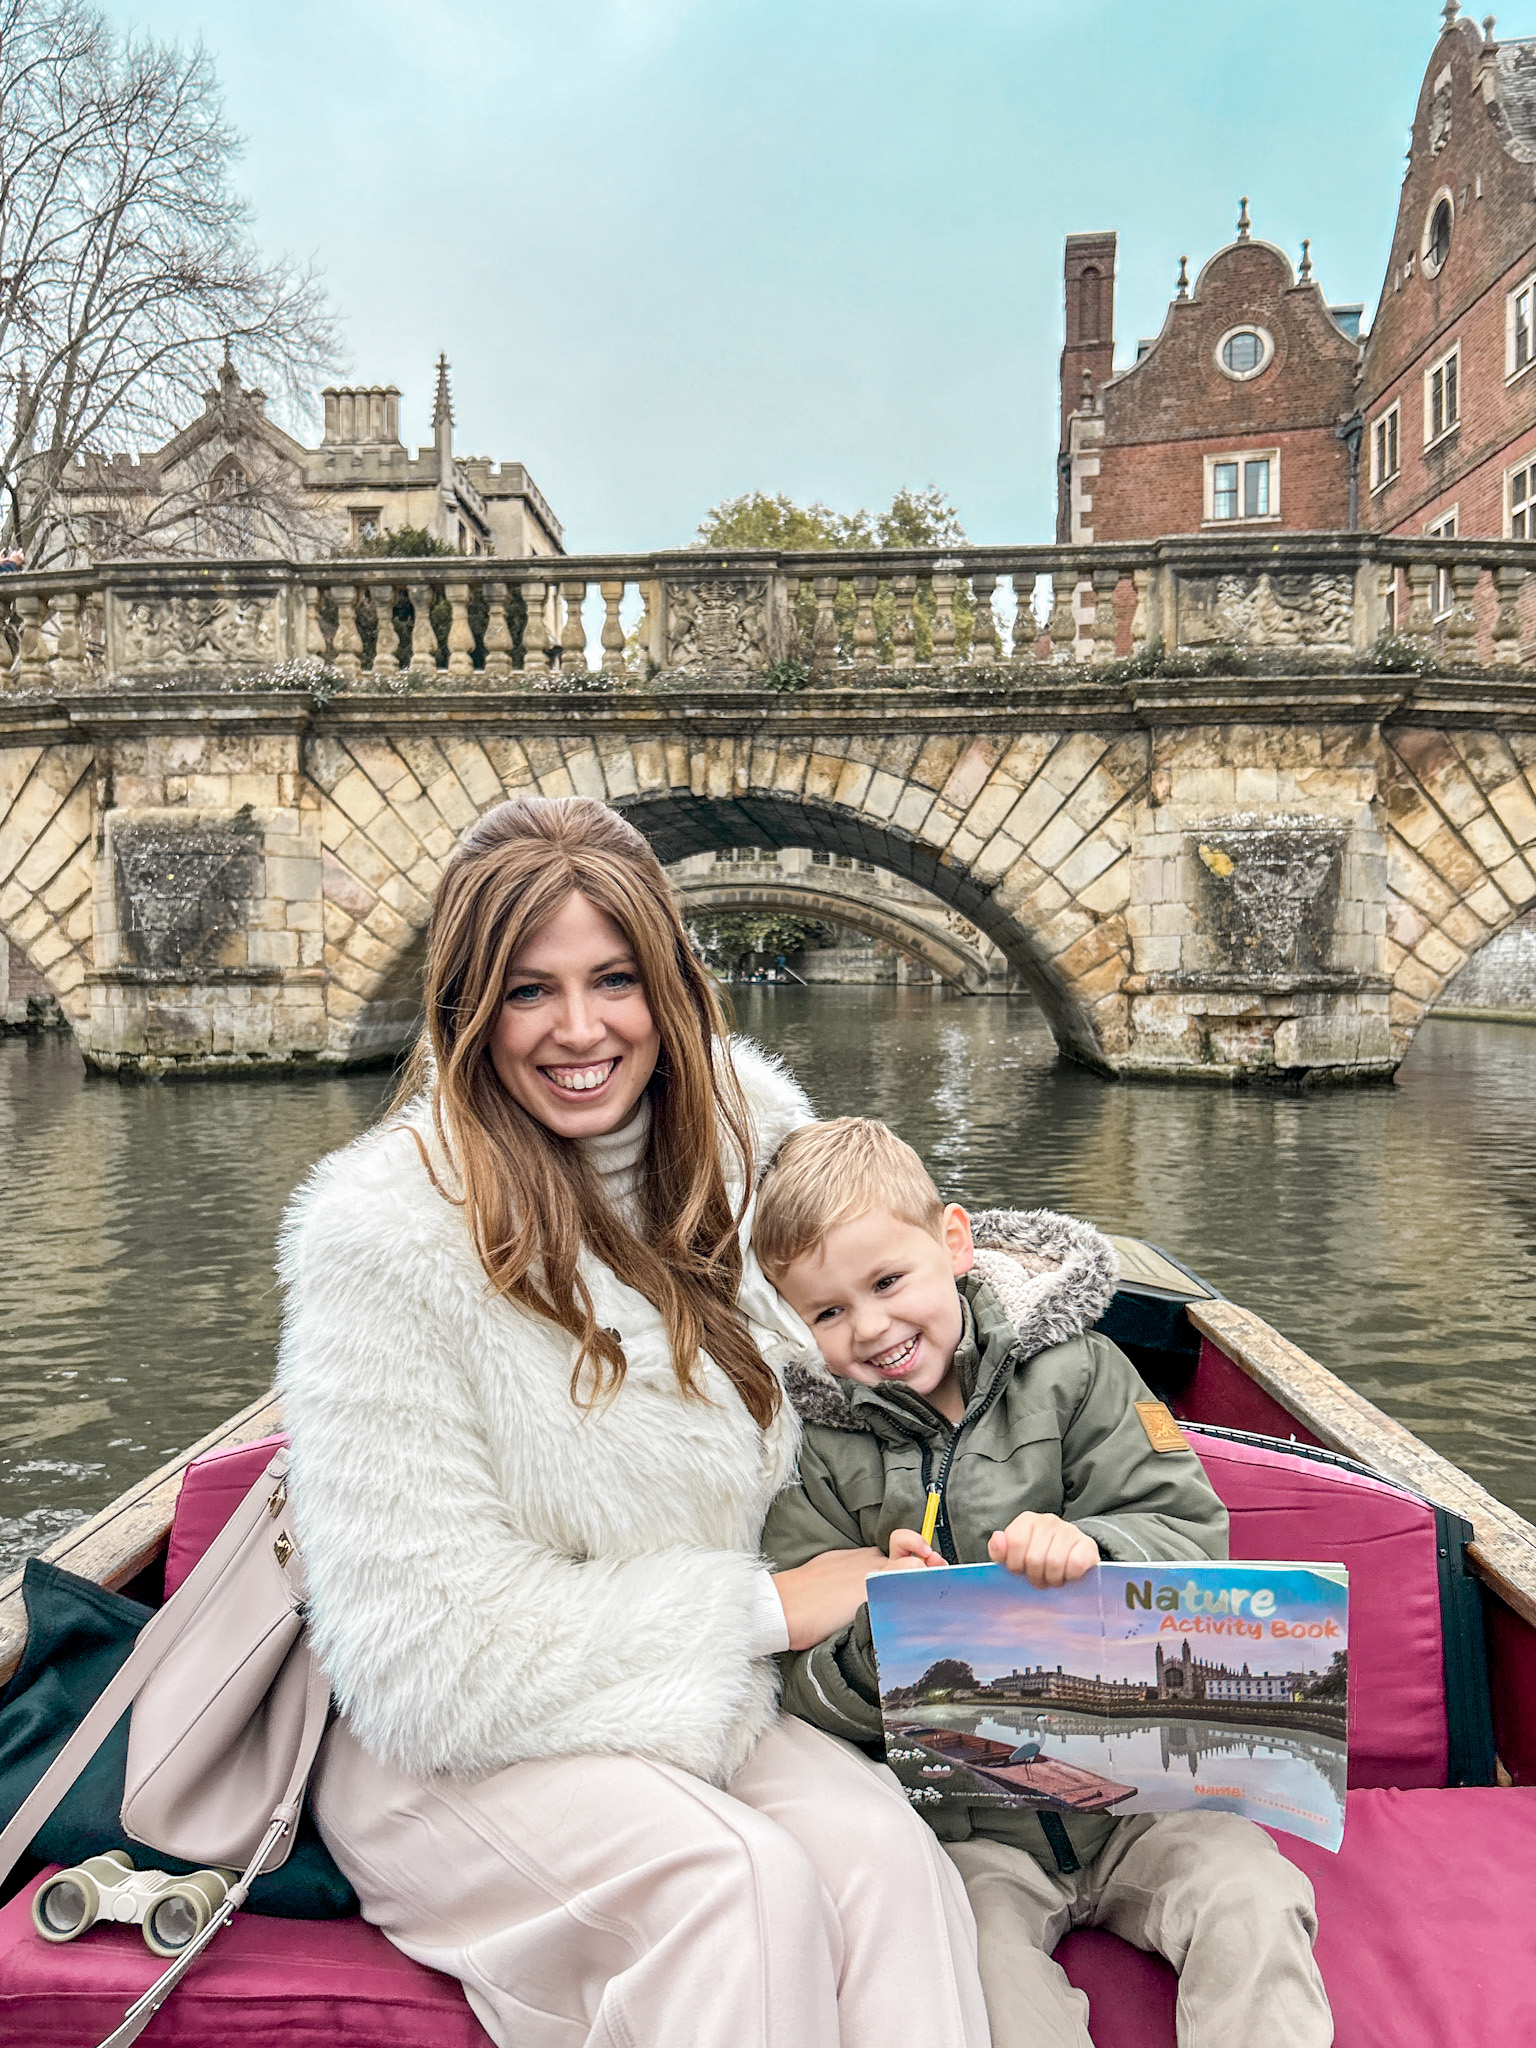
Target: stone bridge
<point>1220,819</point>
<point>837,888</point>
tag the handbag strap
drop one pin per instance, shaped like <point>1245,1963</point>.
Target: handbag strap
<point>153,1643</point>
<point>317,1706</point>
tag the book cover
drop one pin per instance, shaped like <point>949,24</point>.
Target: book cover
<point>1140,1689</point>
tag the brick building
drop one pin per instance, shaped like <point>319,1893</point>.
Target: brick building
<point>1229,417</point>
<point>1448,387</point>
<point>1260,403</point>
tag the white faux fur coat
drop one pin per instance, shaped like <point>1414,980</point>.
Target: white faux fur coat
<point>495,1574</point>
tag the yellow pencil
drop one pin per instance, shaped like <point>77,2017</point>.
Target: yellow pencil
<point>931,1514</point>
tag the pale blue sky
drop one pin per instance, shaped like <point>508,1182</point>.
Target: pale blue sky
<point>678,249</point>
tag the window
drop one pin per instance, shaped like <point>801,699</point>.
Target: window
<point>1520,328</point>
<point>365,524</point>
<point>1243,352</point>
<point>1438,222</point>
<point>1441,597</point>
<point>1520,503</point>
<point>1386,445</point>
<point>1242,486</point>
<point>1442,397</point>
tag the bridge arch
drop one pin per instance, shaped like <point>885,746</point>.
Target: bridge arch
<point>960,965</point>
<point>953,815</point>
<point>1460,827</point>
<point>47,866</point>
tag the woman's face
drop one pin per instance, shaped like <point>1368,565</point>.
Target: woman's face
<point>575,1043</point>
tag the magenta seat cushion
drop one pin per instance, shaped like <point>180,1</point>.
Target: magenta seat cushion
<point>1426,1929</point>
<point>213,1488</point>
<point>263,1984</point>
<point>1303,1510</point>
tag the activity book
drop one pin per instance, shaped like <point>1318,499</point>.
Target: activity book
<point>1140,1689</point>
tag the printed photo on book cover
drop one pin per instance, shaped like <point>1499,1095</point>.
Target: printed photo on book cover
<point>1140,1689</point>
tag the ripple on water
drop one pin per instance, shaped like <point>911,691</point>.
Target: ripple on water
<point>1389,1231</point>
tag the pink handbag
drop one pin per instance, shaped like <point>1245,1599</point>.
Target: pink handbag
<point>229,1707</point>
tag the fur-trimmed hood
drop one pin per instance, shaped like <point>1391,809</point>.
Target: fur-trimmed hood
<point>1052,1277</point>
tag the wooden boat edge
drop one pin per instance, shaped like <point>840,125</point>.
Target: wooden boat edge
<point>114,1546</point>
<point>1503,1549</point>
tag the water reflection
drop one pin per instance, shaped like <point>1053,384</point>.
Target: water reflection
<point>1390,1232</point>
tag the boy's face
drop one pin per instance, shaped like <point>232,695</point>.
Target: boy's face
<point>878,1295</point>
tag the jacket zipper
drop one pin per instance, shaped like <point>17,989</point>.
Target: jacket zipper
<point>935,1512</point>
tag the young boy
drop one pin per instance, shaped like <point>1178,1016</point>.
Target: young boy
<point>971,1372</point>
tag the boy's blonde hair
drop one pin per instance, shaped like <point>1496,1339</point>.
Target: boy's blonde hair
<point>828,1173</point>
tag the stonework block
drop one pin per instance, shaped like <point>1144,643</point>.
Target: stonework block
<point>1088,861</point>
<point>1157,955</point>
<point>1099,943</point>
<point>380,761</point>
<point>16,764</point>
<point>1452,861</point>
<point>853,785</point>
<point>1405,924</point>
<point>1034,811</point>
<point>970,772</point>
<point>1438,954</point>
<point>1490,904</point>
<point>618,764</point>
<point>939,827</point>
<point>1051,846</point>
<point>1516,881</point>
<point>357,797</point>
<point>389,926</point>
<point>1464,927</point>
<point>916,802</point>
<point>261,792</point>
<point>1415,979</point>
<point>1026,756</point>
<point>1488,840</point>
<point>76,926</point>
<point>822,775</point>
<point>996,800</point>
<point>508,760</point>
<point>365,861</point>
<point>456,808</point>
<point>885,793</point>
<point>337,923</point>
<point>1094,798</point>
<point>1207,790</point>
<point>305,917</point>
<point>996,857</point>
<point>342,887</point>
<point>272,949</point>
<point>936,762</point>
<point>482,784</point>
<point>965,845</point>
<point>297,880</point>
<point>1515,809</point>
<point>402,895</point>
<point>1064,929</point>
<point>1488,758</point>
<point>1071,761</point>
<point>650,759</point>
<point>1257,787</point>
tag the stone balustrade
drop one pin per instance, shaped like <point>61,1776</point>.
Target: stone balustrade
<point>1336,601</point>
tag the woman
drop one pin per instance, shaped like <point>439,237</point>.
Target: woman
<point>534,1441</point>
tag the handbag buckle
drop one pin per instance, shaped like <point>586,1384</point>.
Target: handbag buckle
<point>278,1499</point>
<point>282,1549</point>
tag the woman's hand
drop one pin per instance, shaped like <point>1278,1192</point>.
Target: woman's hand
<point>823,1596</point>
<point>1044,1549</point>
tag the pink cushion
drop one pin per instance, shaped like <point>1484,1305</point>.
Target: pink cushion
<point>213,1488</point>
<point>264,1984</point>
<point>1426,1929</point>
<point>1289,1507</point>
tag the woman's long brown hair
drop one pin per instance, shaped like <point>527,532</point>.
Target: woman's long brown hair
<point>531,1202</point>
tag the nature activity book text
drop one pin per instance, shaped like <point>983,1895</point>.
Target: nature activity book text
<point>1140,1689</point>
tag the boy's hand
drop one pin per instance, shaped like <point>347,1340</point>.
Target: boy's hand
<point>907,1545</point>
<point>1043,1549</point>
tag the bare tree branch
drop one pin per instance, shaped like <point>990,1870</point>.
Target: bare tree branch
<point>127,266</point>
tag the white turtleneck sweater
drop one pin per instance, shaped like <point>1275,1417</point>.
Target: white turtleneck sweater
<point>615,1158</point>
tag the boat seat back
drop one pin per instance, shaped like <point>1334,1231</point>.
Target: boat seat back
<point>1419,1713</point>
<point>213,1487</point>
<point>1418,1706</point>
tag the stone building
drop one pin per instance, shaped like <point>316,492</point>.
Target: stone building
<point>1228,418</point>
<point>235,483</point>
<point>1260,404</point>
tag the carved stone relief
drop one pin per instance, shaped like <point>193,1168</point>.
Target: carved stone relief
<point>1268,895</point>
<point>1315,611</point>
<point>181,891</point>
<point>190,632</point>
<point>719,623</point>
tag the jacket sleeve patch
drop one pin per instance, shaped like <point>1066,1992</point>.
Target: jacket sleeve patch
<point>1163,1433</point>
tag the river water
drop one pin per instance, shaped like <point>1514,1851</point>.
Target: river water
<point>1391,1232</point>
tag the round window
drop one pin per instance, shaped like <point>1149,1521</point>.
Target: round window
<point>1243,352</point>
<point>1437,234</point>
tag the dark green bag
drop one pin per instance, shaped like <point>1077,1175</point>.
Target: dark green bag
<point>77,1637</point>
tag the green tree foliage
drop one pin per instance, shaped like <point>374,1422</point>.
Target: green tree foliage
<point>1332,1685</point>
<point>730,938</point>
<point>949,1674</point>
<point>913,519</point>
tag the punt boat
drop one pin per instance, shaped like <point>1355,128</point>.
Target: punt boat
<point>1427,1916</point>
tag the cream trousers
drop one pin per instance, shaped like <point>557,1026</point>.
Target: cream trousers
<point>605,1902</point>
<point>1207,1890</point>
